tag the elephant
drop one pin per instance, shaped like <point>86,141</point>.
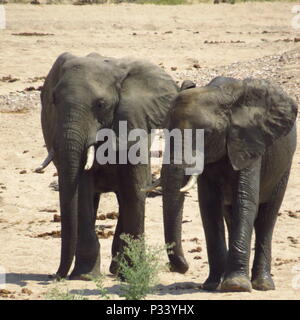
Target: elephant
<point>80,96</point>
<point>249,142</point>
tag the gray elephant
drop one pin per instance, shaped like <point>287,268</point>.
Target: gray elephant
<point>249,142</point>
<point>80,96</point>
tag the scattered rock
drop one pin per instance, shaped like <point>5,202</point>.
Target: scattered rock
<point>38,170</point>
<point>186,221</point>
<point>280,261</point>
<point>56,218</point>
<point>173,68</point>
<point>197,240</point>
<point>36,79</point>
<point>196,66</point>
<point>198,249</point>
<point>48,210</point>
<point>26,291</point>
<point>104,235</point>
<point>237,41</point>
<point>112,215</point>
<point>295,214</point>
<point>197,258</point>
<point>6,293</point>
<point>54,186</point>
<point>105,226</point>
<point>101,217</point>
<point>29,89</point>
<point>23,172</point>
<point>293,240</point>
<point>283,58</point>
<point>30,34</point>
<point>9,78</point>
<point>53,234</point>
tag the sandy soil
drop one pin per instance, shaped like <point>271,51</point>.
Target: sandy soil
<point>191,42</point>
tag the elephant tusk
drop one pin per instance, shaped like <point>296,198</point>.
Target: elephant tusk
<point>46,162</point>
<point>156,184</point>
<point>192,181</point>
<point>90,158</point>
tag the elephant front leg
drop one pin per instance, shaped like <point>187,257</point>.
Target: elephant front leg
<point>244,207</point>
<point>87,257</point>
<point>264,226</point>
<point>116,244</point>
<point>131,207</point>
<point>213,223</point>
<point>173,178</point>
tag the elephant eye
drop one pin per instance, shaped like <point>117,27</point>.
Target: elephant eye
<point>100,103</point>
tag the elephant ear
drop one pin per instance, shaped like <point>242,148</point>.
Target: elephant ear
<point>47,96</point>
<point>54,76</point>
<point>261,114</point>
<point>145,95</point>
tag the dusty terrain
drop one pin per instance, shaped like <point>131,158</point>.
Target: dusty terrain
<point>191,42</point>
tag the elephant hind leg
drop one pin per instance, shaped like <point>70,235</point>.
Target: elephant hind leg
<point>264,226</point>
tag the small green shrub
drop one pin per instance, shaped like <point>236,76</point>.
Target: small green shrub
<point>100,286</point>
<point>59,294</point>
<point>139,266</point>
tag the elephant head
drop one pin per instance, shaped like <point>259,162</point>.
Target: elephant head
<point>241,119</point>
<point>82,95</point>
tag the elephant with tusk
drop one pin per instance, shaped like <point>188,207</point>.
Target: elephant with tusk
<point>80,96</point>
<point>249,143</point>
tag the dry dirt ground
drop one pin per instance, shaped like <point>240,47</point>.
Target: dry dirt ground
<point>194,42</point>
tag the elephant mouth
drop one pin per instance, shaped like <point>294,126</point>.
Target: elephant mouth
<point>90,156</point>
<point>189,185</point>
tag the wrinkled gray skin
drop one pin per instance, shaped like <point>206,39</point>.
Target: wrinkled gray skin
<point>250,139</point>
<point>80,96</point>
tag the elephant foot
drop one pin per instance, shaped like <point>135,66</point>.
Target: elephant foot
<point>114,269</point>
<point>263,282</point>
<point>212,283</point>
<point>178,264</point>
<point>55,277</point>
<point>86,268</point>
<point>236,283</point>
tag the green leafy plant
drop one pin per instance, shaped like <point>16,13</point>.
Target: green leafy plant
<point>60,294</point>
<point>139,266</point>
<point>100,286</point>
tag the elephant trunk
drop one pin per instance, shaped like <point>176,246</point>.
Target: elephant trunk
<point>173,179</point>
<point>71,151</point>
